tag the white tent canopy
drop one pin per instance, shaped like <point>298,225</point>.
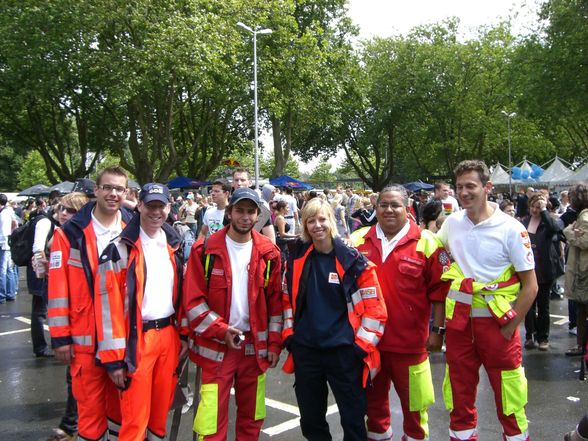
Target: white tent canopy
<point>556,172</point>
<point>499,176</point>
<point>581,175</point>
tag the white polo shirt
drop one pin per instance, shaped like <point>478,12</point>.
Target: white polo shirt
<point>159,283</point>
<point>485,250</point>
<point>105,235</point>
<point>389,245</point>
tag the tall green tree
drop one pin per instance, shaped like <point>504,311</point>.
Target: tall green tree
<point>552,76</point>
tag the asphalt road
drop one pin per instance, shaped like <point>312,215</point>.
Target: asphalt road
<point>32,391</point>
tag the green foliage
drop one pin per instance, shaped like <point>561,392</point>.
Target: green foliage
<point>164,88</point>
<point>32,171</point>
<point>322,172</point>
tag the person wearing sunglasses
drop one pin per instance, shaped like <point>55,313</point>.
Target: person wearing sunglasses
<point>65,209</point>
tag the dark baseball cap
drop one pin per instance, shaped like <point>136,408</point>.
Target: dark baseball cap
<point>85,186</point>
<point>154,192</point>
<point>245,193</point>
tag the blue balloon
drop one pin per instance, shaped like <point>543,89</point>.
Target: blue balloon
<point>536,171</point>
<point>516,173</point>
<point>525,174</point>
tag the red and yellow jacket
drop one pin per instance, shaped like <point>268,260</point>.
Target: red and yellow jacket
<point>208,303</point>
<point>73,263</point>
<point>119,288</point>
<point>410,279</point>
<point>365,305</point>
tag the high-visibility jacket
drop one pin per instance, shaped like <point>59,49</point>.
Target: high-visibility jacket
<point>208,302</point>
<point>73,262</point>
<point>120,287</point>
<point>410,279</point>
<point>468,297</point>
<point>366,309</point>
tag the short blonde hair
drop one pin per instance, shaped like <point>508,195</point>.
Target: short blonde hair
<point>75,200</point>
<point>313,208</point>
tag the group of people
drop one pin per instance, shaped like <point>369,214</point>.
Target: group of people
<point>357,310</point>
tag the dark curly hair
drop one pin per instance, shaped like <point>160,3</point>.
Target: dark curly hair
<point>431,211</point>
<point>579,197</point>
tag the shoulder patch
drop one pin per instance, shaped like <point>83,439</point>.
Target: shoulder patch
<point>55,260</point>
<point>444,258</point>
<point>368,293</point>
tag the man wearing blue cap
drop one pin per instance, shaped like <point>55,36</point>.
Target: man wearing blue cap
<point>233,300</point>
<point>138,314</point>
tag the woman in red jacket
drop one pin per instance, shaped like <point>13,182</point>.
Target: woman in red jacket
<point>334,316</point>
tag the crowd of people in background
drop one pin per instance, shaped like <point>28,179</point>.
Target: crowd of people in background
<point>332,222</point>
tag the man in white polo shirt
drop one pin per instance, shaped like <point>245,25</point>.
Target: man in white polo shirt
<point>138,311</point>
<point>493,268</point>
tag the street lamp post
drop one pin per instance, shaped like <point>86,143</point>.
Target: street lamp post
<point>255,32</point>
<point>508,118</point>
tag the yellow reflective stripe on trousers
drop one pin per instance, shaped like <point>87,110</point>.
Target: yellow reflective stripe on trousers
<point>260,398</point>
<point>447,392</point>
<point>514,395</point>
<point>206,420</point>
<point>420,386</point>
<point>420,392</point>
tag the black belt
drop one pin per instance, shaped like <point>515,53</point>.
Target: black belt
<point>157,323</point>
<point>289,217</point>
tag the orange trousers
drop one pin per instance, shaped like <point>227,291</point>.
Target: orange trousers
<point>97,398</point>
<point>146,403</point>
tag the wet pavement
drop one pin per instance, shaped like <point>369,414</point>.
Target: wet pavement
<point>33,391</point>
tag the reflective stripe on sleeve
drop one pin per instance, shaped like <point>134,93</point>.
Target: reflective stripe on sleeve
<point>111,344</point>
<point>82,340</point>
<point>262,353</point>
<point>262,336</point>
<point>288,313</point>
<point>370,337</point>
<point>59,320</point>
<point>207,322</point>
<point>197,311</point>
<point>275,327</point>
<point>75,258</point>
<point>356,297</point>
<point>59,302</point>
<point>373,324</point>
<point>288,324</point>
<point>460,297</point>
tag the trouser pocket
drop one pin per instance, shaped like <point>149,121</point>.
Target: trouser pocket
<point>420,386</point>
<point>206,421</point>
<point>514,390</point>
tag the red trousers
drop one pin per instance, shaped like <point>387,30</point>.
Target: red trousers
<point>395,369</point>
<point>239,368</point>
<point>146,403</point>
<point>97,399</point>
<point>481,343</point>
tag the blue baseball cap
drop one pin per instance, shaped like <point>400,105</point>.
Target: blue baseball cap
<point>154,192</point>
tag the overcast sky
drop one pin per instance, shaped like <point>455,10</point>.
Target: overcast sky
<point>384,18</point>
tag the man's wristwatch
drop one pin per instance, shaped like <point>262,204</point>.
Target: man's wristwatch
<point>438,330</point>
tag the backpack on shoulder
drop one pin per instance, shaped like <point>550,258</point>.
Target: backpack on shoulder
<point>21,240</point>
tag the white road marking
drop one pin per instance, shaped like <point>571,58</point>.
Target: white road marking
<point>293,423</point>
<point>288,408</point>
<point>28,322</point>
<point>14,332</point>
<point>18,331</point>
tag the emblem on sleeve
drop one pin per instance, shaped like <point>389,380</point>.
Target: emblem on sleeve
<point>55,260</point>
